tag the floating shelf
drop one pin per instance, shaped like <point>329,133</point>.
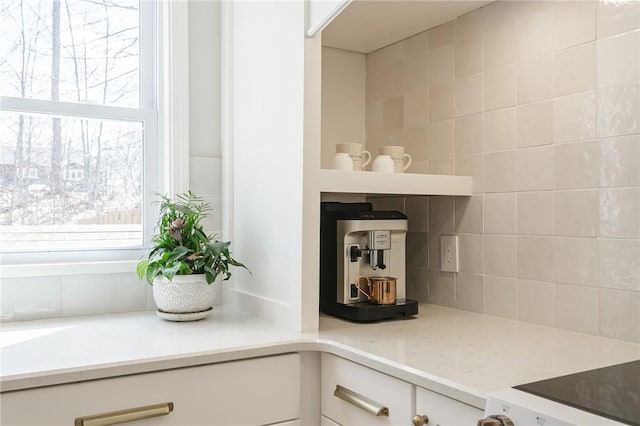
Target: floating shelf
<point>339,181</point>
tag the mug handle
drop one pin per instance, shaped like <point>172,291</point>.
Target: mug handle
<point>366,154</point>
<point>357,283</point>
<point>407,157</point>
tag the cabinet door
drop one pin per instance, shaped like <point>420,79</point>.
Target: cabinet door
<point>381,389</point>
<point>445,411</point>
<point>249,392</point>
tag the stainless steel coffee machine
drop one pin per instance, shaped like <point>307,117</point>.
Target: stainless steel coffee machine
<point>360,247</point>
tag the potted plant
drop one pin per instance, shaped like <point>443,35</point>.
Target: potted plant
<point>185,263</point>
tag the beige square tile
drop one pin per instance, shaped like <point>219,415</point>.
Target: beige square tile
<point>373,117</point>
<point>535,258</point>
<point>535,170</point>
<point>620,315</point>
<point>617,17</point>
<point>419,166</point>
<point>469,214</point>
<point>441,102</point>
<point>416,103</point>
<point>469,95</point>
<point>434,250</point>
<point>575,70</point>
<point>524,8</point>
<point>500,213</point>
<point>499,130</point>
<point>468,56</point>
<point>575,165</point>
<point>618,213</point>
<point>619,264</point>
<point>535,79</point>
<point>471,253</point>
<point>441,166</point>
<point>536,302</point>
<point>576,213</point>
<point>441,214</point>
<point>574,23</point>
<point>500,88</point>
<point>416,73</point>
<point>619,161</point>
<point>619,59</point>
<point>441,288</point>
<point>442,34</point>
<point>536,213</point>
<point>417,283</point>
<point>375,60</point>
<point>535,33</point>
<point>576,260</point>
<point>499,13</point>
<point>500,297</point>
<point>576,308</point>
<point>441,65</point>
<point>416,45</point>
<point>415,142</point>
<point>500,45</point>
<point>417,249</point>
<point>417,211</point>
<point>385,83</point>
<point>468,134</point>
<point>535,124</point>
<point>499,171</point>
<point>618,111</point>
<point>441,139</point>
<point>470,24</point>
<point>500,255</point>
<point>393,114</point>
<point>470,292</point>
<point>574,117</point>
<point>471,165</point>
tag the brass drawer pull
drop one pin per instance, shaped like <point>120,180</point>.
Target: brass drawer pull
<point>361,401</point>
<point>128,415</point>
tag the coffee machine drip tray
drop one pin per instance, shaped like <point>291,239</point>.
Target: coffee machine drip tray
<point>369,312</point>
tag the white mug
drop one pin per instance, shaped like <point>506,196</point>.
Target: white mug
<point>356,153</point>
<point>342,161</point>
<point>383,163</point>
<point>401,161</point>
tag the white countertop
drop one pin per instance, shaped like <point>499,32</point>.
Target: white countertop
<point>460,354</point>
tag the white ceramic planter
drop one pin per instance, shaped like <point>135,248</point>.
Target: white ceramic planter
<point>184,295</point>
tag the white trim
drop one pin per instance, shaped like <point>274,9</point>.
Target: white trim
<point>321,25</point>
<point>174,100</point>
<point>60,269</point>
<point>226,117</point>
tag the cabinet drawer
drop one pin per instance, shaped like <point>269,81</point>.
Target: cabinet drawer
<point>445,411</point>
<point>249,392</point>
<point>380,388</point>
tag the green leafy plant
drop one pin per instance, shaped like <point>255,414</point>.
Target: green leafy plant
<point>180,245</point>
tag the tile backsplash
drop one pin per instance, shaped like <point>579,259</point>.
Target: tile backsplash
<point>540,103</point>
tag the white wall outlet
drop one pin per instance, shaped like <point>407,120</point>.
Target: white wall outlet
<point>449,253</point>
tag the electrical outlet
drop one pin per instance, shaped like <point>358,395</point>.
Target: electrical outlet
<point>449,253</point>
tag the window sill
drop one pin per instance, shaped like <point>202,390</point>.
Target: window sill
<point>59,269</point>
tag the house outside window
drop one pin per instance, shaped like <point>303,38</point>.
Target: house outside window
<point>79,118</point>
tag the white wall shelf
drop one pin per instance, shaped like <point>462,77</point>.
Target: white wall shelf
<point>339,181</point>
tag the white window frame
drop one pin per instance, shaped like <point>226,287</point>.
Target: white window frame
<point>164,112</point>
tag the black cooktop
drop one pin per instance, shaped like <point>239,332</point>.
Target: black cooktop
<point>612,392</point>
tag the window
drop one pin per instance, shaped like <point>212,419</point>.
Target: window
<point>78,125</point>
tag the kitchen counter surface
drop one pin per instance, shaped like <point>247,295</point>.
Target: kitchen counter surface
<point>460,354</point>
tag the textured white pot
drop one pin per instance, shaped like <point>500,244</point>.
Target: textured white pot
<point>184,294</point>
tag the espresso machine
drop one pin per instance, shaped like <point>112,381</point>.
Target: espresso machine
<point>356,244</point>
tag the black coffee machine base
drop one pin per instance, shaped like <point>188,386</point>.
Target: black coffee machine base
<point>367,312</point>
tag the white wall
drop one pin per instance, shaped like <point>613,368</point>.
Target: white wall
<point>343,100</point>
<point>267,136</point>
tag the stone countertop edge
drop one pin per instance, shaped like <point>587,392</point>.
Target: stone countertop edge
<point>459,354</point>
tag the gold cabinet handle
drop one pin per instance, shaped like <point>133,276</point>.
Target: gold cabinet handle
<point>420,420</point>
<point>128,415</point>
<point>360,401</point>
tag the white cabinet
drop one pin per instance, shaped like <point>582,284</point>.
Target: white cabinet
<point>248,392</point>
<point>445,411</point>
<point>364,386</point>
